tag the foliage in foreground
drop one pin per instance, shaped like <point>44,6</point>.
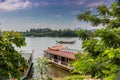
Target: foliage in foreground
<point>42,67</point>
<point>11,60</point>
<point>102,46</point>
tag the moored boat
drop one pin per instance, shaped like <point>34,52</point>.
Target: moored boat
<point>27,74</point>
<point>61,56</point>
<point>66,42</point>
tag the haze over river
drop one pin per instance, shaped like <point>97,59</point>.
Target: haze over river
<point>39,44</point>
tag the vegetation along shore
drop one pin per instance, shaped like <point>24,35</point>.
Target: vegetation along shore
<point>46,32</point>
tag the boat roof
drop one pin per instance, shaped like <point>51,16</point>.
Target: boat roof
<point>61,53</point>
<point>65,52</point>
<point>57,47</point>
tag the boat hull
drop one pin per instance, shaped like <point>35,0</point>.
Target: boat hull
<point>60,65</point>
<point>65,42</point>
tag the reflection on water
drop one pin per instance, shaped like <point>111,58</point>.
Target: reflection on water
<point>39,44</point>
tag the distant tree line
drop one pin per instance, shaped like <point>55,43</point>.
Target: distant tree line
<point>46,32</point>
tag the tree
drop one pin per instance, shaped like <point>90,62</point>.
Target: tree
<point>102,46</point>
<point>11,60</point>
<point>42,65</point>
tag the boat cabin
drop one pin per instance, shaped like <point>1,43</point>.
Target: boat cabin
<point>61,56</point>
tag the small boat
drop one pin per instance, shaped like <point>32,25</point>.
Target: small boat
<point>66,42</point>
<point>61,56</point>
<point>29,57</point>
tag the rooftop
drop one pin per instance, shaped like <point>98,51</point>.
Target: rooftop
<point>62,51</point>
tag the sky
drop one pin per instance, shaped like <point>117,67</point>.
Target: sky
<point>22,15</point>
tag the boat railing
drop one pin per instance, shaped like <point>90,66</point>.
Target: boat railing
<point>64,63</point>
<point>56,60</point>
<point>60,62</point>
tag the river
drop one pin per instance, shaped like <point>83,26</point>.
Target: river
<point>39,44</point>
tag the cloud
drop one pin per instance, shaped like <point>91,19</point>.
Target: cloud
<point>80,2</point>
<point>95,4</point>
<point>74,2</point>
<point>41,3</point>
<point>10,5</point>
<point>76,12</point>
<point>56,15</point>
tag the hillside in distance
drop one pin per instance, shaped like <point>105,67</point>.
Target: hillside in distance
<point>46,32</point>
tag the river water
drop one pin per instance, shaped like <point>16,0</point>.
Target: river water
<point>39,44</point>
